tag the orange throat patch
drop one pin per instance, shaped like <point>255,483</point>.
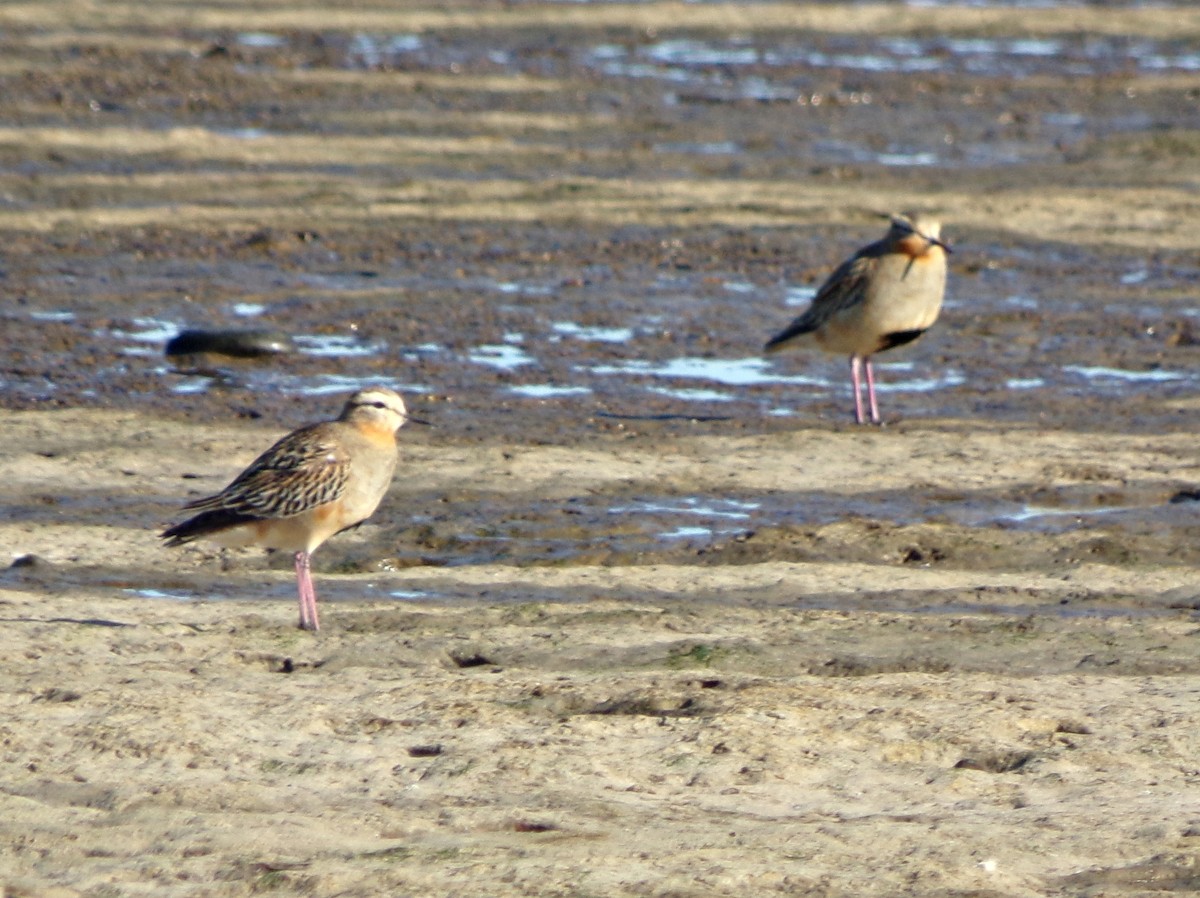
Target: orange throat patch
<point>918,249</point>
<point>384,437</point>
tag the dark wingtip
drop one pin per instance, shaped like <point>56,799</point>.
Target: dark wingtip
<point>797,328</point>
<point>171,539</point>
<point>204,524</point>
<point>178,534</point>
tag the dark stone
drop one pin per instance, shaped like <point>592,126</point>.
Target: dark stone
<point>238,344</point>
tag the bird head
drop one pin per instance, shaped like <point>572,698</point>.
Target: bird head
<point>378,406</point>
<point>909,225</point>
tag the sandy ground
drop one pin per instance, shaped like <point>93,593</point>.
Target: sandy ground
<point>884,681</point>
<point>1024,725</point>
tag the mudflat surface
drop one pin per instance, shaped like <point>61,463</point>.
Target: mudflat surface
<point>643,614</point>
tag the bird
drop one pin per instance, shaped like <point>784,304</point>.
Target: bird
<point>885,295</point>
<point>316,481</point>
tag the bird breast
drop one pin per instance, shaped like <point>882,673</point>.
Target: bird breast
<point>908,292</point>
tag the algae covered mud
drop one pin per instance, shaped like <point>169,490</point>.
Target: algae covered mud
<point>644,614</point>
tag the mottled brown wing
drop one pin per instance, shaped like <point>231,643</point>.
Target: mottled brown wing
<point>843,289</point>
<point>302,471</point>
<point>846,287</point>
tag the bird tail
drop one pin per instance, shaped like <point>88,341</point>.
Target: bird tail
<point>204,524</point>
<point>801,327</point>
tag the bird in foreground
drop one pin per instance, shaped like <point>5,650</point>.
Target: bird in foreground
<point>317,481</point>
<point>885,295</point>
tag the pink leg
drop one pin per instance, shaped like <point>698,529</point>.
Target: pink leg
<point>856,380</point>
<point>308,595</point>
<point>871,391</point>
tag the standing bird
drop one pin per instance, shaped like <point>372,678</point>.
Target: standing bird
<point>313,483</point>
<point>887,294</point>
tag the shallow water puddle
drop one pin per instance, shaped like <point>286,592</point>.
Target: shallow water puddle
<point>1030,513</point>
<point>519,289</point>
<point>148,593</point>
<point>145,336</point>
<point>504,356</point>
<point>701,506</point>
<point>150,331</point>
<point>548,391</point>
<point>413,595</point>
<point>567,531</point>
<point>733,372</point>
<point>1101,375</point>
<point>599,529</point>
<point>315,385</point>
<point>1030,516</point>
<point>690,60</point>
<point>372,51</point>
<point>592,334</point>
<point>327,384</point>
<point>338,345</point>
<point>561,531</point>
<point>720,148</point>
<point>191,385</point>
<point>330,589</point>
<point>261,39</point>
<point>693,394</point>
<point>777,69</point>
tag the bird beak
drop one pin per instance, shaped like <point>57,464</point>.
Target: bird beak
<point>411,419</point>
<point>945,246</point>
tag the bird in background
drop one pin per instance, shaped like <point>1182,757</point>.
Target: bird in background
<point>317,481</point>
<point>885,295</point>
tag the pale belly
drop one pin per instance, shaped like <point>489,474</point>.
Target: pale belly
<point>303,532</point>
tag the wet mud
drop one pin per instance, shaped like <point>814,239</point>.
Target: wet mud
<point>577,232</point>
